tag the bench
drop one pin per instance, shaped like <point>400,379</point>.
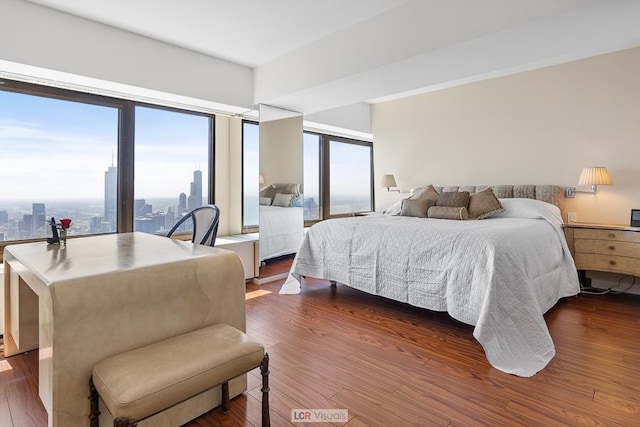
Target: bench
<point>142,382</point>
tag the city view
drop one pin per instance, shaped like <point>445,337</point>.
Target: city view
<point>59,159</point>
<point>24,219</point>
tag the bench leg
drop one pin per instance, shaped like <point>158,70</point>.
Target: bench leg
<point>124,422</point>
<point>94,414</point>
<point>264,371</point>
<point>225,397</point>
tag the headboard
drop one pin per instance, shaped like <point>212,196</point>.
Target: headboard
<point>553,194</point>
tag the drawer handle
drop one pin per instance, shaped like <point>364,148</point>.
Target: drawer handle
<point>612,262</point>
<point>611,235</point>
<point>612,247</point>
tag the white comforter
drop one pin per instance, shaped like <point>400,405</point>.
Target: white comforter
<point>281,230</point>
<point>499,274</point>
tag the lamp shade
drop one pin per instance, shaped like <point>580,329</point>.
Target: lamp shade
<point>595,175</point>
<point>388,181</point>
<point>261,179</point>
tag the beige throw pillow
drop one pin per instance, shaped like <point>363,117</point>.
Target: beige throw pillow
<point>415,207</point>
<point>427,193</point>
<point>447,212</point>
<point>484,204</point>
<point>454,199</point>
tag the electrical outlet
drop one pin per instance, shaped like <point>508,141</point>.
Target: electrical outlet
<point>572,216</point>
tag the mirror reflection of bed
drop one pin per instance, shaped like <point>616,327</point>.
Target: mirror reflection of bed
<point>281,214</point>
<point>281,224</point>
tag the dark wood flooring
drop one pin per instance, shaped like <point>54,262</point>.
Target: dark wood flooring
<point>390,364</point>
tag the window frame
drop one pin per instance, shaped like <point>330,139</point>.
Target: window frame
<point>326,175</point>
<point>253,228</point>
<point>125,143</point>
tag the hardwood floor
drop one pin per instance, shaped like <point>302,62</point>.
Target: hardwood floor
<point>390,364</point>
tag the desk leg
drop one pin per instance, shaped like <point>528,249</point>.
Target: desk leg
<point>20,314</point>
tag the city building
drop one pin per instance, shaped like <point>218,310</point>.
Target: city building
<point>111,197</point>
<point>195,195</point>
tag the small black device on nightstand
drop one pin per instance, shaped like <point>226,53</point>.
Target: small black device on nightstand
<point>635,217</point>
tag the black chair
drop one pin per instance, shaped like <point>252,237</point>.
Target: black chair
<point>205,224</point>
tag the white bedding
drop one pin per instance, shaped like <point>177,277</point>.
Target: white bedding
<point>499,274</point>
<point>281,230</point>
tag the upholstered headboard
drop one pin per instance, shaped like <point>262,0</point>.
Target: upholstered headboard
<point>553,194</point>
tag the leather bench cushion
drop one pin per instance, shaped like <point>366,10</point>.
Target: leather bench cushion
<point>149,379</point>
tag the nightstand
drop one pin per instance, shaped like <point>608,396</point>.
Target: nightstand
<point>601,247</point>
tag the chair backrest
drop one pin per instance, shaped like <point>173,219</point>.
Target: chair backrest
<point>205,224</point>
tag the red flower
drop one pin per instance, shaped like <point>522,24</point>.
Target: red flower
<point>65,223</point>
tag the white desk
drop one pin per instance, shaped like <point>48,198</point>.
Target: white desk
<point>103,295</point>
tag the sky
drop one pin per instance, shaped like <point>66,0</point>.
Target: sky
<point>58,149</point>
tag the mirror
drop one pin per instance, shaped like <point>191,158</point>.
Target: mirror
<point>281,177</point>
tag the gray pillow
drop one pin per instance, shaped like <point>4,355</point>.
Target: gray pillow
<point>427,193</point>
<point>265,201</point>
<point>274,189</point>
<point>447,212</point>
<point>484,204</point>
<point>454,199</point>
<point>415,207</point>
<point>282,200</point>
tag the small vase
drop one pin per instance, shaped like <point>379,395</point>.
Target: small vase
<point>63,237</point>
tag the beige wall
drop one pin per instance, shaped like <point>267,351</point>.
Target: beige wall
<point>537,127</point>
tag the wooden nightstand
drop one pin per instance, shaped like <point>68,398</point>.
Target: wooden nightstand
<point>601,247</point>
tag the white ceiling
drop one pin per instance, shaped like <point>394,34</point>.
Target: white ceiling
<point>316,55</point>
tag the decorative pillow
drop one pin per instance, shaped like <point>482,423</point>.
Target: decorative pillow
<point>265,201</point>
<point>394,209</point>
<point>274,189</point>
<point>447,212</point>
<point>454,199</point>
<point>427,193</point>
<point>282,200</point>
<point>484,204</point>
<point>415,207</point>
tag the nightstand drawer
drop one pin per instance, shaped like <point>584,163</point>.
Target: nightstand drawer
<point>611,235</point>
<point>612,263</point>
<point>592,246</point>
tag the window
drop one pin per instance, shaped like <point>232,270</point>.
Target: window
<point>71,154</point>
<point>57,161</point>
<point>350,175</point>
<point>172,153</point>
<point>311,187</point>
<point>250,174</point>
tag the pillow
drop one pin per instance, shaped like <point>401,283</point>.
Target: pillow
<point>484,204</point>
<point>274,189</point>
<point>394,209</point>
<point>530,208</point>
<point>447,212</point>
<point>454,199</point>
<point>265,201</point>
<point>416,207</point>
<point>427,193</point>
<point>282,200</point>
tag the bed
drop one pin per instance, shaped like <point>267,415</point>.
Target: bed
<point>281,230</point>
<point>281,220</point>
<point>499,274</point>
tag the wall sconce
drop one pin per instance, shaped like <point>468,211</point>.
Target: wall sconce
<point>388,181</point>
<point>594,176</point>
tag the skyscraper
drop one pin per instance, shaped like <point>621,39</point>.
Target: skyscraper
<point>182,203</point>
<point>39,218</point>
<point>111,197</point>
<point>195,196</point>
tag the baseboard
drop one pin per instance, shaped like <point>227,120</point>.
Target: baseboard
<point>269,279</point>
